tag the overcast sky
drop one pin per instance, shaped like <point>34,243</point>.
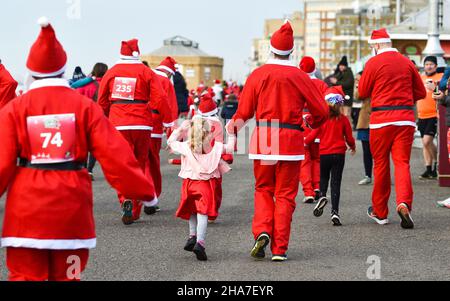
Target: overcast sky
<point>92,31</point>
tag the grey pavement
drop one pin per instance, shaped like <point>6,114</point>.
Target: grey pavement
<point>152,249</point>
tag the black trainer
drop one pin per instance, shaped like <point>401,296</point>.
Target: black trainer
<point>318,210</point>
<point>405,215</point>
<point>336,219</point>
<point>200,252</point>
<point>259,249</point>
<point>317,195</point>
<point>434,175</point>
<point>150,210</point>
<point>190,244</point>
<point>426,175</point>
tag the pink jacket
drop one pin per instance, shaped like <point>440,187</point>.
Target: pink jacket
<point>201,167</point>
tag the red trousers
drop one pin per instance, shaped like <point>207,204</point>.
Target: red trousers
<point>384,142</point>
<point>42,265</point>
<point>275,193</point>
<point>310,170</point>
<point>155,164</point>
<point>140,144</point>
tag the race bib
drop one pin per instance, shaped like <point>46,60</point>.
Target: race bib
<point>124,88</point>
<point>52,138</point>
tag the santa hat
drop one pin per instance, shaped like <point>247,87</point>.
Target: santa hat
<point>282,41</point>
<point>217,82</point>
<point>335,95</point>
<point>168,64</point>
<point>308,65</point>
<point>47,57</point>
<point>208,106</point>
<point>380,36</point>
<point>130,50</point>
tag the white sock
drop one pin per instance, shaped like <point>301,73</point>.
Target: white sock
<point>193,225</point>
<point>202,226</point>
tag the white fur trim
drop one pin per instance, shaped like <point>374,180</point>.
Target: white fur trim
<point>277,157</point>
<point>48,244</point>
<point>387,50</point>
<point>328,96</point>
<point>157,136</point>
<point>209,114</point>
<point>49,82</point>
<point>130,58</point>
<point>281,62</point>
<point>152,203</point>
<point>396,123</point>
<point>43,22</point>
<point>160,73</point>
<point>166,68</point>
<point>169,125</point>
<point>380,41</point>
<point>56,73</point>
<point>134,127</point>
<point>281,52</point>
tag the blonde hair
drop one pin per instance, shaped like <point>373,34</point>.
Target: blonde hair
<point>199,131</point>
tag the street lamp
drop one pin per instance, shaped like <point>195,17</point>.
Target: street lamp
<point>434,45</point>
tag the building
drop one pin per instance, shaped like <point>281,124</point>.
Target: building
<point>261,46</point>
<point>353,29</point>
<point>195,65</point>
<point>321,17</point>
<point>410,37</point>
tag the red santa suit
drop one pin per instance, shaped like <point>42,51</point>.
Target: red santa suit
<point>49,207</point>
<point>168,65</point>
<point>310,167</point>
<point>128,93</point>
<point>8,87</point>
<point>394,85</point>
<point>276,94</point>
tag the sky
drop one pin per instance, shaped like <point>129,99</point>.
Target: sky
<point>91,30</point>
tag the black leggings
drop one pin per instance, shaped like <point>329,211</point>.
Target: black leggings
<point>332,165</point>
<point>368,160</point>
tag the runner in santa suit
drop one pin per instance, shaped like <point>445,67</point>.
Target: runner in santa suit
<point>394,85</point>
<point>49,223</point>
<point>165,72</point>
<point>276,94</point>
<point>310,169</point>
<point>8,86</point>
<point>128,93</point>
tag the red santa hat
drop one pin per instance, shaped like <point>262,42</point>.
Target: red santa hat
<point>336,95</point>
<point>380,36</point>
<point>217,82</point>
<point>208,106</point>
<point>47,57</point>
<point>282,42</point>
<point>308,65</point>
<point>130,50</point>
<point>168,64</point>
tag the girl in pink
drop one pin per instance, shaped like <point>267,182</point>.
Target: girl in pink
<point>201,170</point>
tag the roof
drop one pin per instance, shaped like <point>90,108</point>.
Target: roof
<point>179,46</point>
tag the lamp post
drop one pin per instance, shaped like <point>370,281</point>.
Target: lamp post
<point>434,45</point>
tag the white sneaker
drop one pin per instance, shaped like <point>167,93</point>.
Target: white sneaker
<point>365,181</point>
<point>445,203</point>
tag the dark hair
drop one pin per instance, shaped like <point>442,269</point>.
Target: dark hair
<point>99,70</point>
<point>335,111</point>
<point>146,63</point>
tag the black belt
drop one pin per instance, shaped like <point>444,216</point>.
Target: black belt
<point>129,102</point>
<point>155,112</point>
<point>393,108</point>
<point>269,124</point>
<point>305,111</point>
<point>74,166</point>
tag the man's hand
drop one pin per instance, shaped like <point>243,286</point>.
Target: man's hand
<point>430,86</point>
<point>333,80</point>
<point>439,96</point>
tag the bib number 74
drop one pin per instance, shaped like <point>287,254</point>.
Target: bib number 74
<point>52,138</point>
